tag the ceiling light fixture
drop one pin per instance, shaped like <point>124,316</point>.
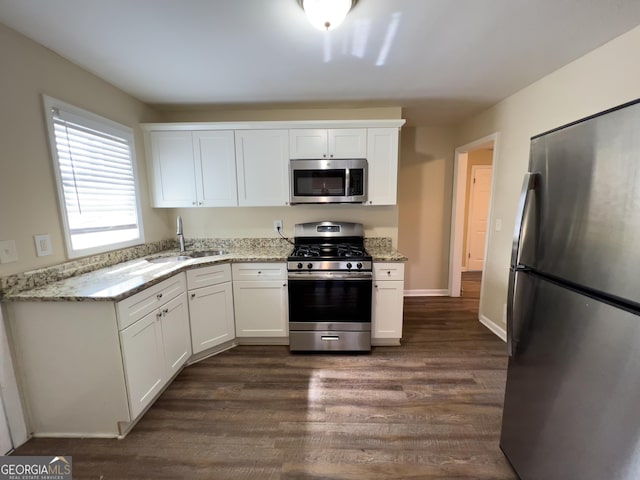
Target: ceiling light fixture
<point>326,14</point>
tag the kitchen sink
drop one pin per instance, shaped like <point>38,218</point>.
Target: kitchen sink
<point>174,258</point>
<point>206,253</point>
<point>186,256</point>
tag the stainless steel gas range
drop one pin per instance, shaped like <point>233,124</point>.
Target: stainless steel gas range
<point>330,281</point>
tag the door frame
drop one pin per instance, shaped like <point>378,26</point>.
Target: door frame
<point>467,247</point>
<point>457,210</point>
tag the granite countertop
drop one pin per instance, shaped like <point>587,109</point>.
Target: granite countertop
<point>117,282</point>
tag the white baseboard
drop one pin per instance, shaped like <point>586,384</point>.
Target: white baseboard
<point>426,293</point>
<point>498,330</point>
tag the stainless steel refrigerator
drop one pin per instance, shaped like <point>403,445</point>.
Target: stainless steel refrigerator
<point>572,399</point>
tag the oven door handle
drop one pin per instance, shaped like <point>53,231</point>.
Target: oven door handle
<point>331,276</point>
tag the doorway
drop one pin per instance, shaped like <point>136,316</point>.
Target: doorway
<point>481,152</point>
<point>476,211</point>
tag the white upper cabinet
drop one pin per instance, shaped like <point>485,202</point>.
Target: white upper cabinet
<point>173,169</point>
<point>328,143</point>
<point>247,163</point>
<point>262,162</point>
<point>215,160</point>
<point>193,169</point>
<point>382,159</point>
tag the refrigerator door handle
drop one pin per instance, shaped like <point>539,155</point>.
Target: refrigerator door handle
<point>528,184</point>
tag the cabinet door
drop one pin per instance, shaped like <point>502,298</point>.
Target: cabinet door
<point>308,143</point>
<point>261,308</point>
<point>262,161</point>
<point>176,335</point>
<point>5,437</point>
<point>173,168</point>
<point>387,309</point>
<point>382,157</point>
<point>211,315</point>
<point>215,172</point>
<point>347,143</point>
<point>143,360</point>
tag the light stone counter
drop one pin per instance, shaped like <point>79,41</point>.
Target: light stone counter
<point>121,280</point>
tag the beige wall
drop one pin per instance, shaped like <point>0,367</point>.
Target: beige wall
<point>27,186</point>
<point>424,201</point>
<point>605,77</point>
<point>482,156</point>
<point>274,112</point>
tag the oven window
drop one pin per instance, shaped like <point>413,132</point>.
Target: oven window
<point>356,184</point>
<point>330,300</point>
<point>318,183</point>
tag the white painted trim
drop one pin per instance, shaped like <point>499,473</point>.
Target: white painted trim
<point>457,209</point>
<point>427,293</point>
<point>77,435</point>
<point>457,221</point>
<point>495,328</point>
<point>9,389</point>
<point>388,123</point>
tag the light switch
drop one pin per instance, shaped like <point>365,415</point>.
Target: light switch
<point>8,251</point>
<point>43,245</point>
<point>498,224</point>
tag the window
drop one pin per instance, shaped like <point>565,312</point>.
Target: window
<point>95,168</point>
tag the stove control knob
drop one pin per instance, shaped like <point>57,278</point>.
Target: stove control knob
<point>349,265</point>
<point>309,266</point>
<point>359,265</point>
<point>299,265</point>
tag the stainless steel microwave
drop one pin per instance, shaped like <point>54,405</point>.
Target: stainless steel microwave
<point>328,181</point>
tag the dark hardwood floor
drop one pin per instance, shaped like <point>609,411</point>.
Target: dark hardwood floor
<point>430,409</point>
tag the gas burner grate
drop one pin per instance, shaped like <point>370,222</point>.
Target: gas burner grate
<point>307,251</point>
<point>347,250</point>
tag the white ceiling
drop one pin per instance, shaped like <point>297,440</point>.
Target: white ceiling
<point>440,59</point>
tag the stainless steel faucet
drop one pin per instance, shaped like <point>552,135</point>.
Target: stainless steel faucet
<point>180,235</point>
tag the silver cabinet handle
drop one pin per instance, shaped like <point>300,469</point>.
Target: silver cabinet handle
<point>193,295</point>
<point>159,296</point>
<point>165,311</point>
<point>529,183</point>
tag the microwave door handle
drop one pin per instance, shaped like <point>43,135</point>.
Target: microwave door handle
<point>347,182</point>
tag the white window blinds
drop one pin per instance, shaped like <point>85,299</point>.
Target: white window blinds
<point>96,178</point>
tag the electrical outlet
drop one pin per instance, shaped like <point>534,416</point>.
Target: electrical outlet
<point>277,226</point>
<point>43,244</point>
<point>8,251</point>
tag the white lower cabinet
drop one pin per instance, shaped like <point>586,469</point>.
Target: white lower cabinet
<point>210,306</point>
<point>154,349</point>
<point>261,300</point>
<point>388,302</point>
<point>176,335</point>
<point>143,361</point>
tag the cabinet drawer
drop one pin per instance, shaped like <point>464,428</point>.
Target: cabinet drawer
<point>388,271</point>
<point>137,306</point>
<point>207,276</point>
<point>258,271</point>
